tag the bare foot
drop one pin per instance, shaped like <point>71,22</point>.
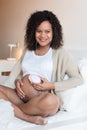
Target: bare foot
<point>33,119</point>
<point>37,120</point>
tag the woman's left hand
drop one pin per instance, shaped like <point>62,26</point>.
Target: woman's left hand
<point>45,85</point>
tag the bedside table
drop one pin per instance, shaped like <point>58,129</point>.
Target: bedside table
<point>6,65</point>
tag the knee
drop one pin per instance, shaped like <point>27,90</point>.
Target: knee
<point>51,104</point>
<point>52,101</point>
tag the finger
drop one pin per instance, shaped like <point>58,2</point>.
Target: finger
<point>20,93</point>
<point>19,90</point>
<point>38,87</point>
<point>21,83</point>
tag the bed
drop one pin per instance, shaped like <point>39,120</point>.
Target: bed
<point>73,118</point>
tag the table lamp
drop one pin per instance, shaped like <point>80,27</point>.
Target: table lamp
<point>11,46</point>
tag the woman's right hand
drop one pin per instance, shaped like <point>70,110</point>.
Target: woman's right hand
<point>19,84</point>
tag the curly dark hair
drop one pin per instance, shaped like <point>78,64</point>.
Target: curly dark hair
<point>35,20</point>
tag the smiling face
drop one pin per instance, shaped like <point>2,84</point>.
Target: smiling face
<point>44,34</point>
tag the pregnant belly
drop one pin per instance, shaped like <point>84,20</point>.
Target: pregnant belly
<point>28,89</point>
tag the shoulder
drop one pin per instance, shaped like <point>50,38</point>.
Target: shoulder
<point>62,53</point>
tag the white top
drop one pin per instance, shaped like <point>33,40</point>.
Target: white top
<point>38,65</point>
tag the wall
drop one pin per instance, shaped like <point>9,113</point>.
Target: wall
<point>14,15</point>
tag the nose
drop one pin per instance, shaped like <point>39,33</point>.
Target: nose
<point>42,34</point>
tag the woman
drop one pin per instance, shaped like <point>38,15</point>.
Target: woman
<point>43,56</point>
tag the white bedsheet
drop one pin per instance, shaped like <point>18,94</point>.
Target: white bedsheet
<point>54,124</point>
<point>59,121</point>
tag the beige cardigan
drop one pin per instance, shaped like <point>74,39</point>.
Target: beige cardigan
<point>63,63</point>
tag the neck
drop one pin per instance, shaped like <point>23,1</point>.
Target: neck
<point>42,50</point>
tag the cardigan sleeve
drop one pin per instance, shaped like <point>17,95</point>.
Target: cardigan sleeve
<point>67,66</point>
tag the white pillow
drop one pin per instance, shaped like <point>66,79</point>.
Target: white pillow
<point>82,64</point>
<point>74,100</point>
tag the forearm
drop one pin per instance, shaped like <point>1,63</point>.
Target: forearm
<point>67,84</point>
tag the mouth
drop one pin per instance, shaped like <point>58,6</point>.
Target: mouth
<point>43,40</point>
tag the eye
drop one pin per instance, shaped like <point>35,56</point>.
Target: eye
<point>47,31</point>
<point>38,31</point>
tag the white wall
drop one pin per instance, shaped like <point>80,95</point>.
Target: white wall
<point>14,15</point>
